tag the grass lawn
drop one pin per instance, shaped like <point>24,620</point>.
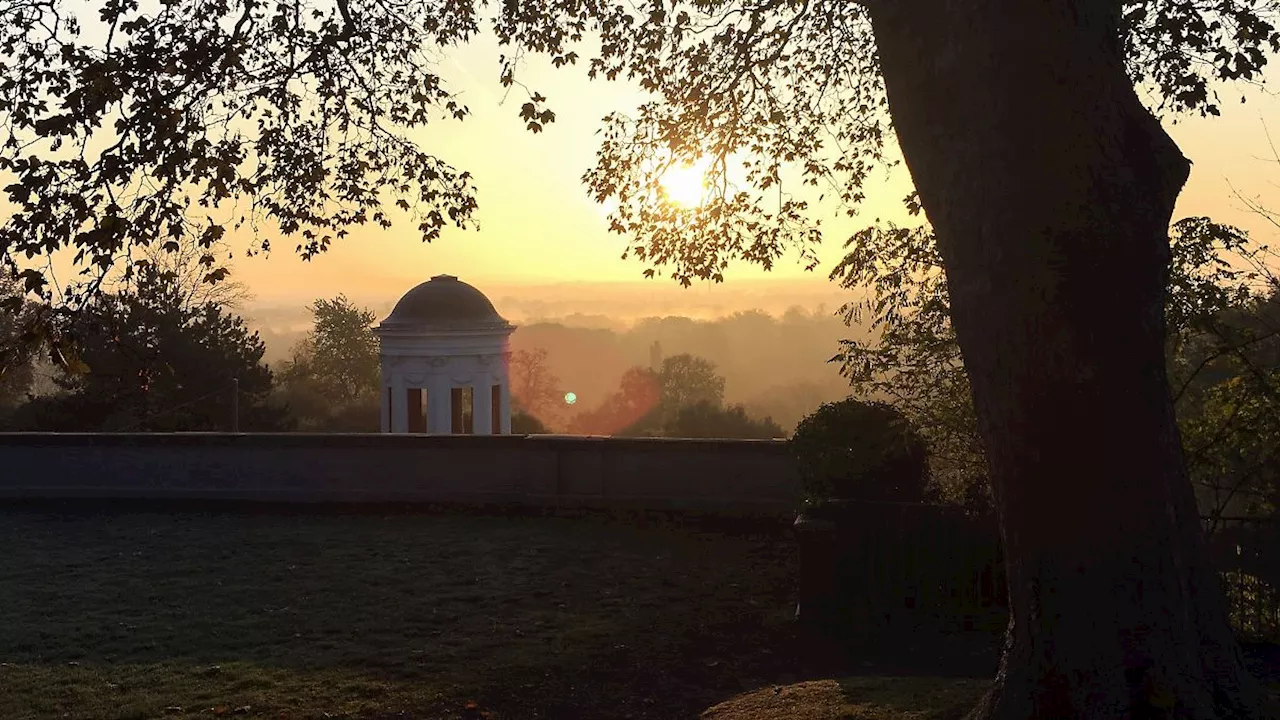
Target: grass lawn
<point>131,614</point>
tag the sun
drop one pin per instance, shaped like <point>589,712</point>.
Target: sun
<point>685,185</point>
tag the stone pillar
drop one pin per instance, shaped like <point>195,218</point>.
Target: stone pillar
<point>505,413</point>
<point>438,404</point>
<point>481,406</point>
<point>385,404</point>
<point>399,409</point>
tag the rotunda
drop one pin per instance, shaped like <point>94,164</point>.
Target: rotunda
<point>444,355</point>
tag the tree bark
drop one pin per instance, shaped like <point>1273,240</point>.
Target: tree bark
<point>1051,189</point>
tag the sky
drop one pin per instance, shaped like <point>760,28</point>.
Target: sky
<point>539,228</point>
<point>541,237</point>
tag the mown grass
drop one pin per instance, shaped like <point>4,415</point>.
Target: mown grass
<point>120,614</point>
<point>144,614</point>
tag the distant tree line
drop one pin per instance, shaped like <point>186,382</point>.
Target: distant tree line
<point>158,355</point>
<point>682,397</point>
<point>773,364</point>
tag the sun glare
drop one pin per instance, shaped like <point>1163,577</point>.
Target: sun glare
<point>685,184</point>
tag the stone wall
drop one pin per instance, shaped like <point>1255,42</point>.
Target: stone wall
<point>752,476</point>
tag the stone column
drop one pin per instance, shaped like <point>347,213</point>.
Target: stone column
<point>481,405</point>
<point>399,406</point>
<point>506,407</point>
<point>438,413</point>
<point>495,407</point>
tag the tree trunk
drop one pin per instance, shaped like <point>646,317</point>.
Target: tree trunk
<point>1051,190</point>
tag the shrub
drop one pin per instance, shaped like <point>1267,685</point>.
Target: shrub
<point>707,420</point>
<point>860,451</point>
<point>522,423</point>
<point>358,416</point>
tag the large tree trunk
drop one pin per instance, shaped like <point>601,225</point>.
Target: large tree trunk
<point>1051,190</point>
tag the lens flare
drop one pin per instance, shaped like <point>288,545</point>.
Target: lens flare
<point>570,398</point>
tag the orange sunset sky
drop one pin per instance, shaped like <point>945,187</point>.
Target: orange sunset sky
<point>538,227</point>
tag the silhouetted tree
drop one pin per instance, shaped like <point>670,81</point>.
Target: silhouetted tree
<point>706,419</point>
<point>683,398</point>
<point>685,380</point>
<point>522,423</point>
<point>534,389</point>
<point>1268,209</point>
<point>914,362</point>
<point>633,410</point>
<point>17,358</point>
<point>860,451</point>
<point>1049,184</point>
<point>153,363</point>
<point>332,381</point>
<point>341,352</point>
<point>1229,406</point>
<point>651,399</point>
<point>196,274</point>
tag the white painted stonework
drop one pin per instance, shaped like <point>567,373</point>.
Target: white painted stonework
<point>445,334</point>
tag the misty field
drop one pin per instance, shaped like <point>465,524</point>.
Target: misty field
<point>138,615</point>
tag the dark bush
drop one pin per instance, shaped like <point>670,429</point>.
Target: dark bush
<point>856,450</point>
<point>522,423</point>
<point>359,416</point>
<point>708,420</point>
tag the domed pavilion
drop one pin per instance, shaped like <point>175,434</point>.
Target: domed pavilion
<point>444,352</point>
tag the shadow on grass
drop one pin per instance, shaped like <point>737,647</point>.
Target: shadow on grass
<point>125,614</point>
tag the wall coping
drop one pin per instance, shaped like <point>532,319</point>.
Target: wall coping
<point>382,440</point>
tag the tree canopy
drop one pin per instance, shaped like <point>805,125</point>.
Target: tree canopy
<point>1219,312</point>
<point>341,351</point>
<point>686,379</point>
<point>682,397</point>
<point>153,363</point>
<point>704,419</point>
<point>535,390</point>
<point>17,369</point>
<point>860,450</point>
<point>332,380</point>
